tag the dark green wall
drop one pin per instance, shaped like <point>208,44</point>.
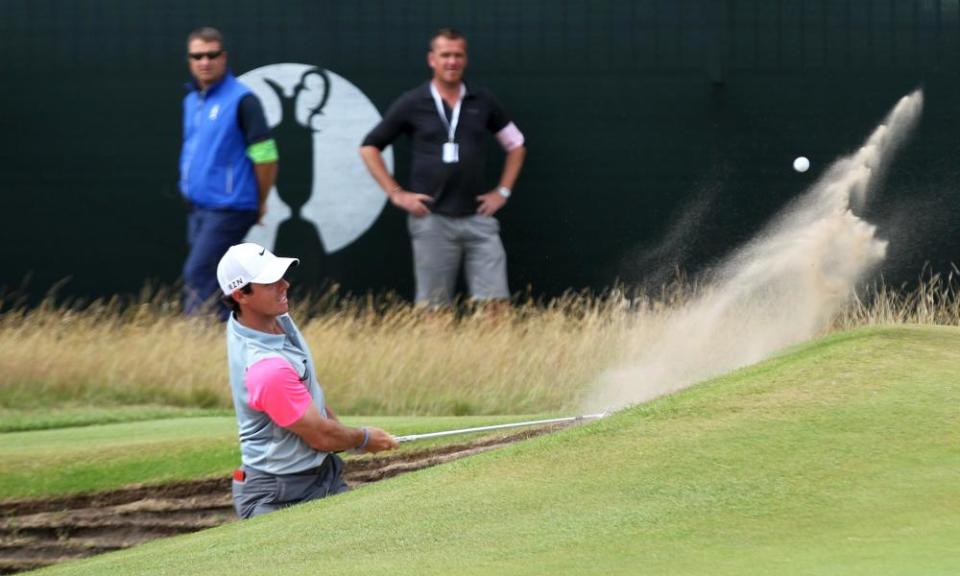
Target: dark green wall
<point>660,132</point>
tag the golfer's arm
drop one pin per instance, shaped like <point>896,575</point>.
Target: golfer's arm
<point>330,413</point>
<point>325,434</point>
<point>512,165</point>
<point>378,169</point>
<point>266,178</point>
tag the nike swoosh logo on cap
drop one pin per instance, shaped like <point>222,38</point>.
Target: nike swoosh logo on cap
<point>262,250</point>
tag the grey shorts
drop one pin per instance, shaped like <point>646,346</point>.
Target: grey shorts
<point>259,492</point>
<point>441,243</point>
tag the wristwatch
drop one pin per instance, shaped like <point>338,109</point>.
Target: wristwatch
<point>503,191</point>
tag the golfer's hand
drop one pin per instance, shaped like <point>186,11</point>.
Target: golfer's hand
<point>490,203</point>
<point>261,212</point>
<point>379,441</point>
<point>416,204</point>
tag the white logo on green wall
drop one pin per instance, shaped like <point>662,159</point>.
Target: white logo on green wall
<point>322,180</point>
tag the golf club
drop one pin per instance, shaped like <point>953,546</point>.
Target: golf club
<point>581,418</point>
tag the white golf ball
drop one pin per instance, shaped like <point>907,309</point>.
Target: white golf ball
<point>801,164</point>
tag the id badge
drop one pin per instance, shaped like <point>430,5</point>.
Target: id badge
<point>451,153</point>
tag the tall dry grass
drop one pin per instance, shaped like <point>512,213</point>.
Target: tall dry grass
<point>372,356</point>
<point>934,301</point>
<point>375,356</point>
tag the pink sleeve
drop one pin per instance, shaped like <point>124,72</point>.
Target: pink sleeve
<point>274,387</point>
<point>510,137</point>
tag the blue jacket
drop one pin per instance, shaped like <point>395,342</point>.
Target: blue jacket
<point>215,171</point>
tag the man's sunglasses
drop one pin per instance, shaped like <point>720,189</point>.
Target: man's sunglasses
<point>212,55</point>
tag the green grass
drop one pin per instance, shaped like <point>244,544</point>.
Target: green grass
<point>64,416</point>
<point>841,457</point>
<point>63,461</point>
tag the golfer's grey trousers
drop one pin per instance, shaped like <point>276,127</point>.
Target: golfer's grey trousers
<point>259,492</point>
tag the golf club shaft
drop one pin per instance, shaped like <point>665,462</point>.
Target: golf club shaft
<point>413,437</point>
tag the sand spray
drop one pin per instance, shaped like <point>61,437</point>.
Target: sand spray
<point>781,288</point>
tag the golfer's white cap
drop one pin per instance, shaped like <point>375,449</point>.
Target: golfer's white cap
<point>249,262</point>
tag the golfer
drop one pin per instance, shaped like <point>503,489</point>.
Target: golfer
<point>288,435</point>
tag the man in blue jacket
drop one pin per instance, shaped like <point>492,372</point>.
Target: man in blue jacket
<point>228,164</point>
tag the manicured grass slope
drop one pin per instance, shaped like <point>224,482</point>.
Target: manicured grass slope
<point>841,457</point>
<point>68,460</point>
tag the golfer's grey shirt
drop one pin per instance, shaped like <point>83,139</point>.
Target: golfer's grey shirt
<point>264,445</point>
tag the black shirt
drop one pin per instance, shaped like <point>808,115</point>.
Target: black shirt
<point>455,186</point>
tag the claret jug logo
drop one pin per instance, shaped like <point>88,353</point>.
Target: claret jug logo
<point>324,198</point>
